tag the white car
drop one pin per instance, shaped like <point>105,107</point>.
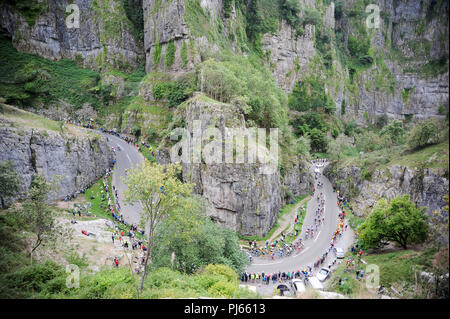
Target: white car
<point>323,274</point>
<point>298,286</point>
<point>314,283</point>
<point>339,252</point>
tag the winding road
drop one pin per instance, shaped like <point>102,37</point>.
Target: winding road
<point>316,246</point>
<point>129,157</point>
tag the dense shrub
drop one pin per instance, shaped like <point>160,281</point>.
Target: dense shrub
<point>306,122</point>
<point>196,242</point>
<point>318,140</point>
<point>394,131</point>
<point>174,91</point>
<point>423,134</point>
<point>369,141</point>
<point>234,77</point>
<point>309,94</point>
<point>350,128</point>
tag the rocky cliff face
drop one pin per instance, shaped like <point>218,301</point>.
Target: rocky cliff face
<point>243,199</point>
<point>103,38</point>
<point>164,24</point>
<point>178,34</point>
<point>78,160</point>
<point>289,55</point>
<point>404,82</point>
<point>426,186</point>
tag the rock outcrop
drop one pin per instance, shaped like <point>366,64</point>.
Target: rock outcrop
<point>244,199</point>
<point>412,34</point>
<point>79,159</point>
<point>290,55</point>
<point>103,36</point>
<point>426,186</point>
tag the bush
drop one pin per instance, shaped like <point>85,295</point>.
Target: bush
<point>350,128</point>
<point>196,242</point>
<point>382,120</point>
<point>312,17</point>
<point>368,141</point>
<point>318,141</point>
<point>304,123</point>
<point>394,131</point>
<point>309,94</point>
<point>237,77</point>
<point>21,282</point>
<point>426,133</point>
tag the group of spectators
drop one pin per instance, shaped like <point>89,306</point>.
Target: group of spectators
<point>266,278</point>
<point>127,239</point>
<point>273,278</point>
<point>85,124</point>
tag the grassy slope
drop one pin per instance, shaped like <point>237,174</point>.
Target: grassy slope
<point>27,119</point>
<point>395,269</point>
<point>61,80</point>
<point>433,156</point>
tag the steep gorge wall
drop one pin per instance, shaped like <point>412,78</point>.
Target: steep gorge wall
<point>243,199</point>
<point>78,159</point>
<point>426,186</point>
<point>104,36</point>
<point>403,81</point>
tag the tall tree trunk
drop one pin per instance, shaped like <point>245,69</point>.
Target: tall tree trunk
<point>150,240</point>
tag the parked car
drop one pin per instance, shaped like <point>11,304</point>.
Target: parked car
<point>323,274</point>
<point>340,253</point>
<point>298,286</point>
<point>314,283</point>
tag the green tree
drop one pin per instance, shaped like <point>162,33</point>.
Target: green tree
<point>9,182</point>
<point>394,131</point>
<point>318,140</point>
<point>423,134</point>
<point>160,192</point>
<point>399,221</point>
<point>38,217</point>
<point>196,241</point>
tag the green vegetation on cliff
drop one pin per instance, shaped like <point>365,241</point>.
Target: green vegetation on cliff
<point>29,80</point>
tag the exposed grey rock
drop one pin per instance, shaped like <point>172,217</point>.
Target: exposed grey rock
<point>164,22</point>
<point>289,55</point>
<point>400,23</point>
<point>79,160</point>
<point>242,198</point>
<point>91,43</point>
<point>426,187</point>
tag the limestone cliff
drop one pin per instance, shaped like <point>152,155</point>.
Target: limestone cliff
<point>103,38</point>
<point>409,76</point>
<point>426,186</point>
<point>243,199</point>
<point>79,157</point>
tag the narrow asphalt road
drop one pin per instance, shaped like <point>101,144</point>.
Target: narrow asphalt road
<point>314,247</point>
<point>128,157</point>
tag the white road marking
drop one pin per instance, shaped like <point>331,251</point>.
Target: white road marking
<point>131,163</point>
<point>317,235</point>
<point>302,252</point>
